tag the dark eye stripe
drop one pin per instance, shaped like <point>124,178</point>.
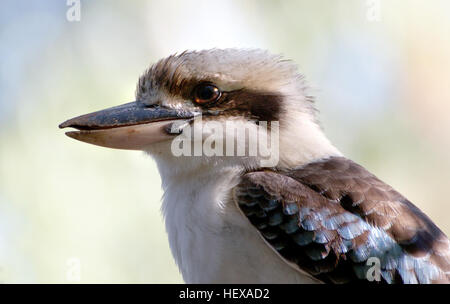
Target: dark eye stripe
<point>263,106</point>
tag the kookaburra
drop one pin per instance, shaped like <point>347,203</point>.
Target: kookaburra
<point>313,216</point>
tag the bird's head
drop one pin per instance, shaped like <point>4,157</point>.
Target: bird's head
<point>212,98</point>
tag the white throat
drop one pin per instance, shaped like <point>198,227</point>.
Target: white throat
<point>196,212</point>
<point>209,238</point>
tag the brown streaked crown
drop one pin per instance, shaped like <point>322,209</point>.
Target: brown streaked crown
<point>253,83</point>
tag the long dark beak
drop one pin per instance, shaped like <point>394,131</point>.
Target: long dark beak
<point>131,126</point>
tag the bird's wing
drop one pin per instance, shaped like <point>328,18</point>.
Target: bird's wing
<point>338,222</point>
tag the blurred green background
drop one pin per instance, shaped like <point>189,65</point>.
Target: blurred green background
<point>71,212</point>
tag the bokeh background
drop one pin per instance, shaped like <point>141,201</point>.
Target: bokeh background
<point>72,212</point>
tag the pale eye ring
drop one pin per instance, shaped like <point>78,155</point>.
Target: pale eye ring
<point>206,93</point>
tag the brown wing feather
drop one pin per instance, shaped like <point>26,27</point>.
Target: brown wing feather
<point>331,216</point>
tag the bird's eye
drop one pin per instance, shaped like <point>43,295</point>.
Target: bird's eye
<point>206,93</point>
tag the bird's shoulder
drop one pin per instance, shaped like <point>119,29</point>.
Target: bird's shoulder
<point>337,221</point>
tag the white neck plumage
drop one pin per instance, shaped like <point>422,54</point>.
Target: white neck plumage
<point>201,218</point>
